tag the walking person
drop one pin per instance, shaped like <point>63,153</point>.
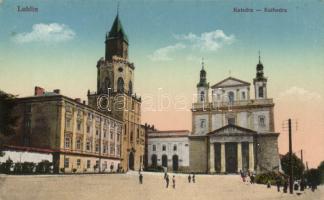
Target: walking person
<point>173,182</point>
<point>141,178</point>
<point>167,181</point>
<point>268,184</point>
<point>189,178</point>
<point>278,183</point>
<point>252,178</point>
<point>165,175</point>
<point>285,185</point>
<point>193,178</point>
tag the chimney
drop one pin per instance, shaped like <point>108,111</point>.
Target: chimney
<point>39,91</point>
<point>57,91</point>
<point>78,100</point>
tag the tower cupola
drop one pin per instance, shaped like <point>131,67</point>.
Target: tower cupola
<point>116,41</point>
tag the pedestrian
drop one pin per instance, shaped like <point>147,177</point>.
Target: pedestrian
<point>285,186</point>
<point>189,178</point>
<point>167,181</point>
<point>268,184</point>
<point>243,176</point>
<point>252,178</point>
<point>141,178</point>
<point>241,173</point>
<point>173,182</point>
<point>302,184</point>
<point>193,178</point>
<point>165,175</point>
<point>278,182</point>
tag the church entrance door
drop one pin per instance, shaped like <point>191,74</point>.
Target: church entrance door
<point>231,157</point>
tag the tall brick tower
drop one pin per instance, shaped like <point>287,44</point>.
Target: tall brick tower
<point>115,80</point>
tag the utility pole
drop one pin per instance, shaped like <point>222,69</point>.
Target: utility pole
<point>290,160</point>
<point>301,156</point>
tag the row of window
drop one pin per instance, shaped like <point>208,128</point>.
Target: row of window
<point>232,121</point>
<point>88,130</point>
<point>229,96</point>
<point>88,165</point>
<point>164,147</point>
<point>68,142</point>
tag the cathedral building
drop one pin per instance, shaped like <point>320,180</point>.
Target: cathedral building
<point>232,131</point>
<point>115,95</point>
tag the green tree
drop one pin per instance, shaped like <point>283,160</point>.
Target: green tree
<point>298,166</point>
<point>7,121</point>
<point>313,176</point>
<point>321,171</point>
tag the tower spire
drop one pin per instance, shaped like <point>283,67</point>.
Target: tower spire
<point>202,63</point>
<point>117,8</point>
<point>259,57</point>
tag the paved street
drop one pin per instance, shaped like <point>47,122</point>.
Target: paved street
<point>126,187</point>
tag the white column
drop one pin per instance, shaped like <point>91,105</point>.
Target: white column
<point>239,156</point>
<point>211,158</point>
<point>251,157</point>
<point>223,164</point>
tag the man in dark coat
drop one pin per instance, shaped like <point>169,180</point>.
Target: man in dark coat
<point>278,183</point>
<point>167,181</point>
<point>141,178</point>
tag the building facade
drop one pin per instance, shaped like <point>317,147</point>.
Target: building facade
<point>80,138</point>
<point>169,149</point>
<point>115,95</point>
<point>230,130</point>
<point>106,133</point>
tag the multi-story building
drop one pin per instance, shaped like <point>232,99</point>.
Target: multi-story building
<point>81,138</point>
<point>115,95</point>
<point>169,149</point>
<point>231,131</point>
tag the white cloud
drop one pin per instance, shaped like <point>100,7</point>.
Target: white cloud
<point>53,32</point>
<point>210,41</point>
<point>298,93</point>
<point>163,54</point>
<point>193,58</point>
<point>1,1</point>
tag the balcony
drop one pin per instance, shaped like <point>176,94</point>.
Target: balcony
<point>225,104</point>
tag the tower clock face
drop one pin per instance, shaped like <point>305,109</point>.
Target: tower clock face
<point>120,69</point>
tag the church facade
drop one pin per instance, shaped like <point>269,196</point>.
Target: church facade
<point>232,131</point>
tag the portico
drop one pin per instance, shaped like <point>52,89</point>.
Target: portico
<point>231,149</point>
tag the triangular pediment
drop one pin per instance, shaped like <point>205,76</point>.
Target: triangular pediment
<point>232,130</point>
<point>230,82</point>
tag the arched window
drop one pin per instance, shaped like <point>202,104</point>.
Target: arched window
<point>107,88</point>
<point>202,96</point>
<point>132,136</point>
<point>120,85</point>
<point>125,130</point>
<point>231,97</point>
<point>262,121</point>
<point>130,88</point>
<point>261,92</point>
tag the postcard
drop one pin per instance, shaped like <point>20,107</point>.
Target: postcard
<point>161,99</point>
